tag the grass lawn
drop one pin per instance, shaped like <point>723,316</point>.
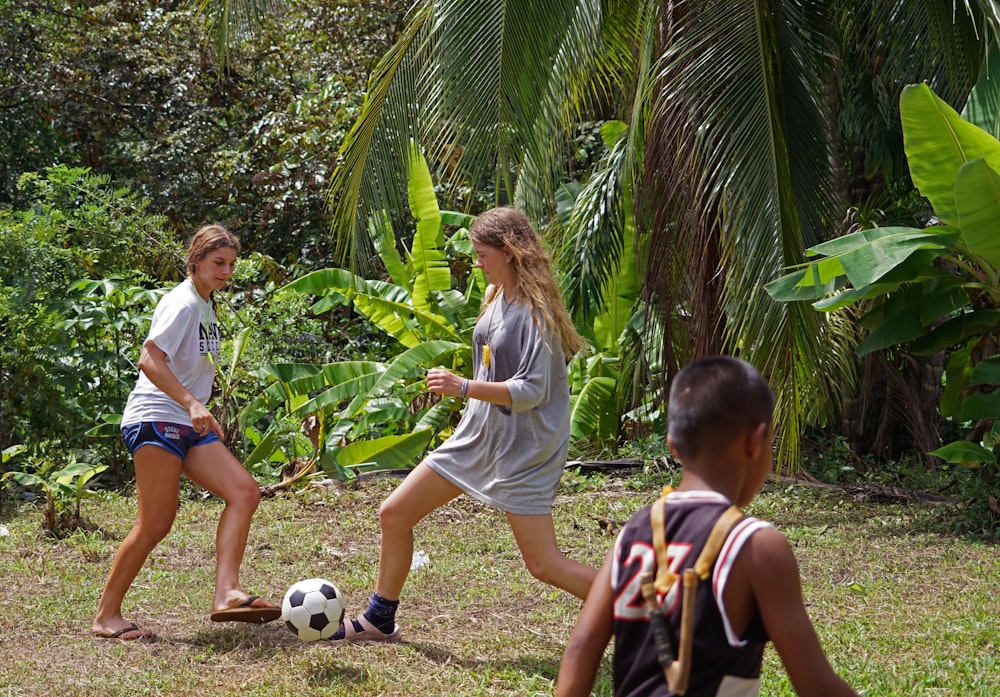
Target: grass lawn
<point>901,606</point>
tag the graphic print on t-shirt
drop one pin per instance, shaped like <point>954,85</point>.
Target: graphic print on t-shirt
<point>208,339</point>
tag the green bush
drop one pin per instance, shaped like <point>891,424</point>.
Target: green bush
<point>75,267</point>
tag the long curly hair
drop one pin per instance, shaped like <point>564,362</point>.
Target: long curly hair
<point>509,229</point>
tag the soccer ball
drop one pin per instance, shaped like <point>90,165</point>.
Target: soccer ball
<point>313,609</point>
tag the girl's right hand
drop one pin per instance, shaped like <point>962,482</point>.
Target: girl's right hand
<point>444,381</point>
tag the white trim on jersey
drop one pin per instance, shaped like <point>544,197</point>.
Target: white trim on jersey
<point>730,549</point>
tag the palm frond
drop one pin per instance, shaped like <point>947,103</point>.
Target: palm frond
<point>594,237</point>
<point>593,240</point>
<point>370,177</point>
<point>466,80</point>
<point>230,20</point>
<point>951,36</point>
<point>740,108</point>
<point>573,94</point>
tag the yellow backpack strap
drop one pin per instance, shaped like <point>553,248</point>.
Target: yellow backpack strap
<point>716,538</point>
<point>665,578</point>
<point>677,665</point>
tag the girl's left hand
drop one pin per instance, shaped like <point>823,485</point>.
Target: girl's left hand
<point>443,381</point>
<point>204,422</point>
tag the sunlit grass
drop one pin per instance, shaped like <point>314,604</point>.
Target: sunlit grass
<point>901,606</point>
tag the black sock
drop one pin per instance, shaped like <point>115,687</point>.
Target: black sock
<point>381,613</point>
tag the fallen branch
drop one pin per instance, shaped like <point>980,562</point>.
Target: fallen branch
<point>300,473</point>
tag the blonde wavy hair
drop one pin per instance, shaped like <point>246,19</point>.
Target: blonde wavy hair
<point>509,229</point>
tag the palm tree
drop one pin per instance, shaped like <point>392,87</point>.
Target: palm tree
<point>750,128</point>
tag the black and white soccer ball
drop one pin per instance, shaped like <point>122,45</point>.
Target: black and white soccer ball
<point>313,609</point>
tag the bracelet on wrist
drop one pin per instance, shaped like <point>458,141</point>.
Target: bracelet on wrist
<point>465,387</point>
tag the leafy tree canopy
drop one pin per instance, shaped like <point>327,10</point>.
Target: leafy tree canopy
<point>134,90</point>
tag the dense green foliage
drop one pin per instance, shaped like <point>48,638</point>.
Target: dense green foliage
<point>749,131</point>
<point>370,413</point>
<point>68,345</point>
<point>132,90</point>
<point>124,126</point>
<point>122,132</point>
<point>81,269</point>
<point>936,288</point>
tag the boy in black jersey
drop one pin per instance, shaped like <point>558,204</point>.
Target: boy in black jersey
<point>740,585</point>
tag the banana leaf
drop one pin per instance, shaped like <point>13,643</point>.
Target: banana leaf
<point>331,398</point>
<point>981,406</point>
<point>986,372</point>
<point>863,258</point>
<point>896,328</point>
<point>963,452</point>
<point>322,282</point>
<point>938,142</point>
<point>429,263</point>
<point>457,219</point>
<point>436,418</point>
<point>977,198</point>
<point>306,377</point>
<point>594,411</point>
<point>402,320</point>
<point>387,452</point>
<point>391,412</point>
<point>427,354</point>
<point>957,330</point>
<point>385,244</point>
<point>12,452</point>
<point>957,374</point>
<point>389,307</point>
<point>264,449</point>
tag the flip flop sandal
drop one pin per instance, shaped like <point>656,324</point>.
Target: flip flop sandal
<point>121,632</point>
<point>245,612</point>
<point>369,632</point>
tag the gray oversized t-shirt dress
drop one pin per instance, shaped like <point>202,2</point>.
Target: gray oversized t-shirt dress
<point>511,457</point>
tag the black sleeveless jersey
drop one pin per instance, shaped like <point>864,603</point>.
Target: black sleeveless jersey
<point>722,663</point>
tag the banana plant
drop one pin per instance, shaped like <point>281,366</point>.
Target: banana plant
<point>64,491</point>
<point>375,414</point>
<point>935,288</point>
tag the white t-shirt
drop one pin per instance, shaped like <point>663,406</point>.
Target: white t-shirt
<point>185,328</point>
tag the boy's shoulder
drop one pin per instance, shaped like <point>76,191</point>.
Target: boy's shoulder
<point>676,501</point>
<point>692,507</point>
<point>687,516</point>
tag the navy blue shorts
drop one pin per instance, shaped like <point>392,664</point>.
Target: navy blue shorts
<point>177,438</point>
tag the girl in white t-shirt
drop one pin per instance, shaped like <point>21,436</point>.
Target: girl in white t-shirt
<point>170,431</point>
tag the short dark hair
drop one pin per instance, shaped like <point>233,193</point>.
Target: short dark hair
<point>714,400</point>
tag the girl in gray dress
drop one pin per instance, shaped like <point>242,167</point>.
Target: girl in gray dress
<point>510,446</point>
